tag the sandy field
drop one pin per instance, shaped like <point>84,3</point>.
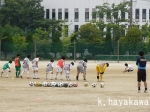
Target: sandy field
<point>118,95</point>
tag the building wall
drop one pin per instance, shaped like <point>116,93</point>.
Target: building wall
<point>82,4</point>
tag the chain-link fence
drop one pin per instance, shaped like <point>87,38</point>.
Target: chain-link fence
<point>76,50</point>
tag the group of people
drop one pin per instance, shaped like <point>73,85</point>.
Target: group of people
<point>25,67</point>
<point>81,68</point>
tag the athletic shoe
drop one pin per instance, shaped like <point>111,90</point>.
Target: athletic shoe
<point>77,78</point>
<point>139,91</point>
<point>145,91</point>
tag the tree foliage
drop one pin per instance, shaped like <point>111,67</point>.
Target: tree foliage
<point>21,13</point>
<point>19,43</point>
<point>90,33</point>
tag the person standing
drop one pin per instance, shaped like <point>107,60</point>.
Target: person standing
<point>35,67</point>
<point>25,66</point>
<point>141,73</point>
<point>17,65</point>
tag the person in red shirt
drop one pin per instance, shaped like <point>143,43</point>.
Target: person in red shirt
<point>17,65</point>
<point>59,67</point>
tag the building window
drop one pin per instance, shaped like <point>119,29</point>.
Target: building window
<point>76,28</point>
<point>86,14</point>
<point>76,15</point>
<point>122,15</point>
<point>53,14</point>
<point>47,13</point>
<point>93,14</point>
<point>66,15</point>
<point>59,14</point>
<point>108,16</point>
<point>143,15</point>
<point>137,15</point>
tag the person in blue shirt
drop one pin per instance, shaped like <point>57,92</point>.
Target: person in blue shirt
<point>141,73</point>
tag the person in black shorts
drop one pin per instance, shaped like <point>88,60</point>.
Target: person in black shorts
<point>141,73</point>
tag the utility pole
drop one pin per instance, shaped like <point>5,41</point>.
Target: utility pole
<point>131,13</point>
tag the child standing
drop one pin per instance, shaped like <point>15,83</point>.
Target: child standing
<point>17,66</point>
<point>35,67</point>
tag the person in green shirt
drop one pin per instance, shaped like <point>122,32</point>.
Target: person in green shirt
<point>6,68</point>
<point>17,65</point>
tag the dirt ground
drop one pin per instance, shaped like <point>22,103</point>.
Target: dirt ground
<point>118,95</point>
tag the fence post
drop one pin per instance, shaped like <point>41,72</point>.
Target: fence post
<point>35,48</point>
<point>74,51</point>
<point>118,51</point>
<point>0,50</point>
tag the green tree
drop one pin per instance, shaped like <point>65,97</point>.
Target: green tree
<point>134,39</point>
<point>19,43</point>
<point>42,44</point>
<point>1,38</point>
<point>89,38</point>
<point>21,13</point>
<point>90,33</point>
<point>116,23</point>
<point>7,43</point>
